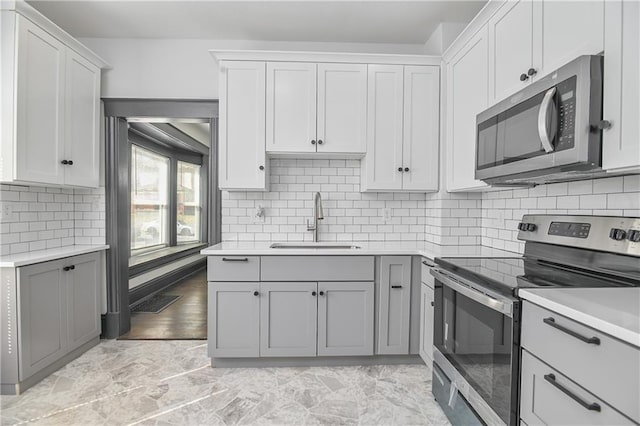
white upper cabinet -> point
(82, 121)
(291, 107)
(402, 135)
(621, 142)
(510, 48)
(564, 30)
(51, 104)
(316, 108)
(382, 168)
(342, 108)
(421, 130)
(466, 96)
(242, 157)
(39, 105)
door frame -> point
(117, 320)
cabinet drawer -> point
(550, 398)
(233, 268)
(317, 268)
(425, 275)
(604, 367)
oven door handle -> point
(497, 305)
(547, 108)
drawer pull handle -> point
(235, 259)
(69, 268)
(256, 293)
(429, 264)
(396, 286)
(551, 378)
(552, 322)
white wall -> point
(184, 69)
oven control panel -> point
(569, 229)
(613, 234)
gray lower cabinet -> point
(551, 398)
(426, 323)
(233, 328)
(288, 319)
(51, 310)
(394, 305)
(42, 318)
(83, 300)
(345, 318)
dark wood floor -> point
(186, 318)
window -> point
(149, 199)
(188, 203)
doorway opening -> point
(163, 207)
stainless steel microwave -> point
(550, 131)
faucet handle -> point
(310, 227)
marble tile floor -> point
(171, 383)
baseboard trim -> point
(156, 285)
(327, 361)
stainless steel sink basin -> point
(320, 246)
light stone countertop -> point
(31, 257)
(614, 310)
(372, 248)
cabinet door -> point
(384, 129)
(466, 96)
(510, 48)
(345, 318)
(242, 153)
(426, 323)
(342, 108)
(42, 318)
(288, 317)
(421, 129)
(83, 298)
(291, 107)
(82, 121)
(564, 30)
(233, 324)
(393, 312)
(620, 147)
(39, 105)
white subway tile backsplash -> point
(614, 196)
(349, 214)
(44, 218)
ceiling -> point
(397, 22)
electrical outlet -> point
(386, 214)
(258, 215)
(7, 211)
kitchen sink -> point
(320, 246)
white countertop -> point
(418, 248)
(29, 258)
(614, 311)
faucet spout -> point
(318, 214)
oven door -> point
(476, 344)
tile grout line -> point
(186, 404)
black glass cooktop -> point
(507, 275)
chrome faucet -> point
(317, 215)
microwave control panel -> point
(566, 114)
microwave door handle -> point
(546, 107)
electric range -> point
(477, 308)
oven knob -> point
(531, 227)
(617, 234)
(634, 235)
(522, 226)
